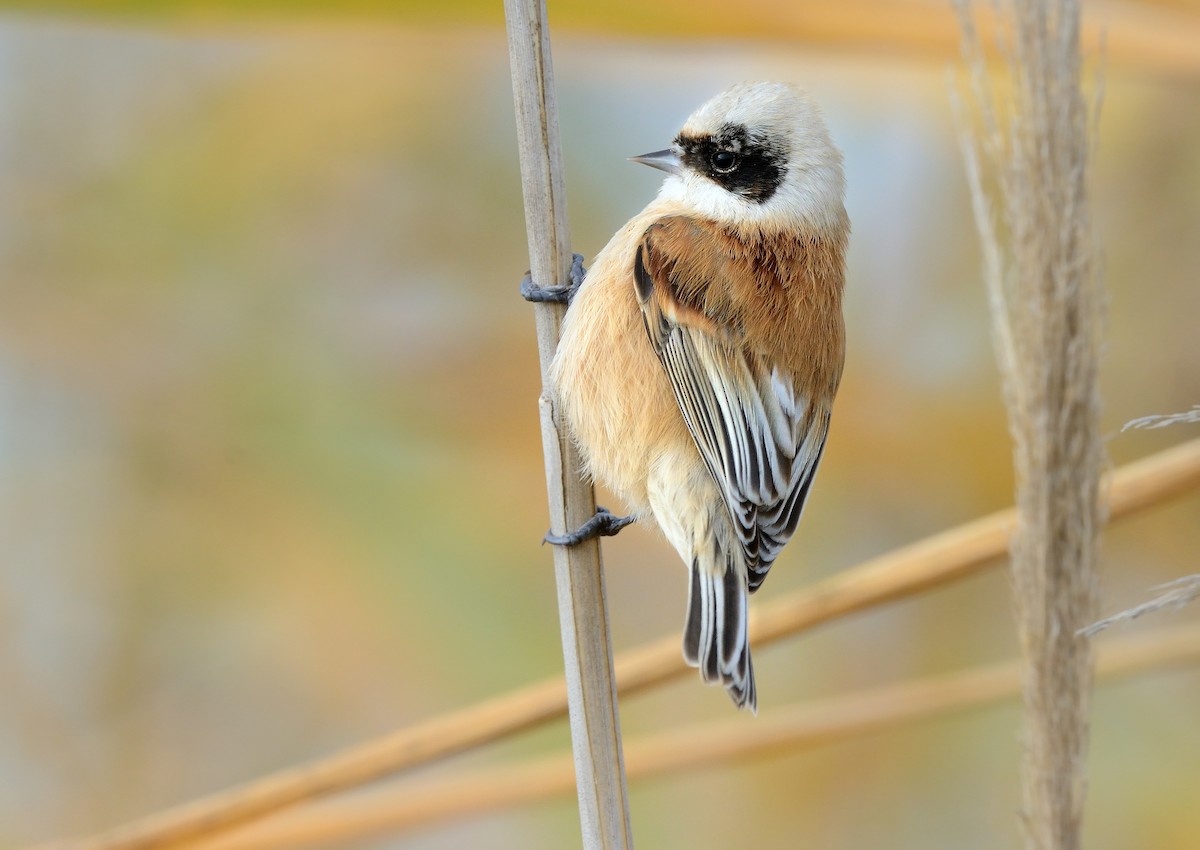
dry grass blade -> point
(410, 806)
(1175, 594)
(936, 560)
(1187, 417)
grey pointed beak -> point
(666, 160)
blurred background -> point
(270, 471)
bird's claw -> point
(530, 291)
(603, 523)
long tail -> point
(715, 637)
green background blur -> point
(270, 472)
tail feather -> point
(715, 635)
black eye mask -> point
(745, 164)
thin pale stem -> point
(579, 574)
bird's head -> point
(757, 154)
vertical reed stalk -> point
(587, 648)
(1047, 307)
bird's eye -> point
(724, 161)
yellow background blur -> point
(270, 473)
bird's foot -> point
(602, 524)
(530, 291)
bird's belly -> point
(613, 392)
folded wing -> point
(759, 437)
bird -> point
(701, 353)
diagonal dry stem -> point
(934, 561)
(410, 806)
